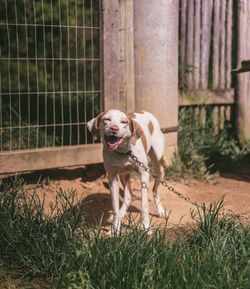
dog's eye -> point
(124, 121)
(106, 119)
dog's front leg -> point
(114, 189)
(144, 204)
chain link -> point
(169, 187)
(163, 182)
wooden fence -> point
(77, 58)
(206, 44)
(206, 50)
(120, 69)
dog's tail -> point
(164, 161)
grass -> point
(60, 250)
(203, 152)
(63, 249)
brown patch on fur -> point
(131, 115)
(150, 127)
(144, 142)
(98, 119)
(95, 128)
(135, 129)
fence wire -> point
(50, 80)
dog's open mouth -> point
(112, 141)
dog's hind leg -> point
(159, 171)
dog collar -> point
(123, 153)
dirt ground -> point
(91, 183)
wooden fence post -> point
(206, 9)
(156, 62)
(190, 44)
(216, 44)
(118, 55)
(183, 35)
(197, 40)
(243, 89)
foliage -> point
(61, 246)
(49, 71)
(203, 151)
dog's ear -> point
(93, 124)
(136, 130)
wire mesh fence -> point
(50, 72)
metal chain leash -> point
(169, 187)
(163, 182)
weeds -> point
(203, 152)
(62, 247)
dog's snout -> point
(114, 128)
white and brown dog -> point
(140, 134)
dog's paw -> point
(162, 214)
(111, 233)
(110, 216)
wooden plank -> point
(243, 95)
(118, 55)
(222, 44)
(228, 113)
(215, 119)
(183, 40)
(197, 43)
(129, 55)
(207, 97)
(190, 44)
(39, 159)
(222, 117)
(207, 7)
(122, 55)
(203, 117)
(111, 53)
(216, 43)
(229, 29)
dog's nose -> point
(114, 128)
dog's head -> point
(115, 128)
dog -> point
(121, 134)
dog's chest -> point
(119, 163)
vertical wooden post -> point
(183, 41)
(243, 90)
(190, 44)
(222, 44)
(197, 43)
(118, 55)
(126, 39)
(229, 28)
(156, 62)
(207, 7)
(216, 43)
(111, 55)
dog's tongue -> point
(113, 142)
